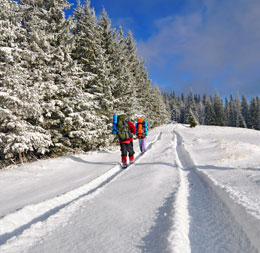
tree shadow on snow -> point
(156, 239)
(212, 167)
(156, 163)
(253, 169)
(80, 160)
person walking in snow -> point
(141, 133)
(125, 131)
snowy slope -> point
(194, 190)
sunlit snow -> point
(194, 190)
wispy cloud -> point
(126, 23)
(217, 43)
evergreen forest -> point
(62, 80)
(208, 110)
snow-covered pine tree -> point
(255, 113)
(19, 108)
(200, 108)
(159, 114)
(258, 113)
(119, 73)
(177, 108)
(245, 111)
(227, 110)
(182, 103)
(210, 117)
(141, 86)
(128, 91)
(54, 74)
(173, 106)
(166, 99)
(190, 105)
(219, 111)
(235, 116)
(91, 57)
(132, 91)
(240, 119)
(107, 37)
(143, 91)
(232, 112)
(191, 119)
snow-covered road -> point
(161, 203)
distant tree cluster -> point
(234, 112)
(61, 80)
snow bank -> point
(228, 160)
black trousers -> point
(127, 148)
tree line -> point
(234, 112)
(62, 79)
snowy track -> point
(212, 225)
(162, 203)
(29, 217)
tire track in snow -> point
(156, 240)
(211, 226)
(15, 224)
(179, 237)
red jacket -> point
(132, 129)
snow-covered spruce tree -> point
(106, 39)
(200, 108)
(219, 111)
(177, 109)
(232, 112)
(235, 116)
(143, 91)
(166, 99)
(258, 113)
(138, 98)
(245, 111)
(191, 119)
(151, 107)
(91, 57)
(240, 119)
(227, 110)
(120, 72)
(255, 113)
(159, 114)
(54, 74)
(19, 108)
(190, 105)
(148, 104)
(126, 90)
(182, 102)
(210, 116)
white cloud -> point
(222, 40)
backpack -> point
(123, 131)
(141, 128)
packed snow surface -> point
(194, 190)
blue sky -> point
(203, 45)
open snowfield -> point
(194, 190)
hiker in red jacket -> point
(125, 133)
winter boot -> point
(124, 161)
(131, 159)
